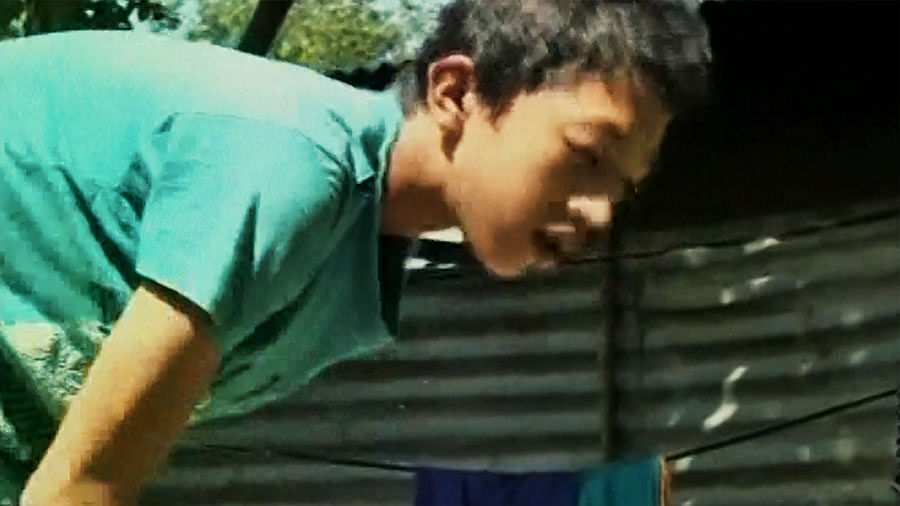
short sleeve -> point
(239, 214)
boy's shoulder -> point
(180, 76)
(133, 83)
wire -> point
(896, 484)
(306, 457)
(406, 468)
(440, 254)
(804, 230)
(778, 427)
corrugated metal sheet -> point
(506, 375)
(724, 340)
(492, 374)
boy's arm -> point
(137, 398)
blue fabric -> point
(251, 187)
(436, 487)
(635, 482)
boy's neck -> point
(415, 200)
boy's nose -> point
(587, 219)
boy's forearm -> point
(91, 460)
(76, 494)
(136, 400)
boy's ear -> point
(451, 89)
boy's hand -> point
(137, 398)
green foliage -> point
(222, 22)
(24, 17)
(12, 18)
(330, 34)
(323, 34)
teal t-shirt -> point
(251, 187)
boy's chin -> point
(508, 268)
(506, 261)
(505, 272)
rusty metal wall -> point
(723, 340)
(486, 374)
(715, 341)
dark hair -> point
(520, 45)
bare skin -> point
(140, 391)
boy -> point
(227, 225)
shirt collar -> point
(376, 139)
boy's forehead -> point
(597, 103)
(621, 102)
(591, 100)
(594, 95)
